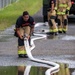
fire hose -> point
(55, 66)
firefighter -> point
(62, 8)
(51, 18)
(24, 27)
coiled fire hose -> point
(55, 66)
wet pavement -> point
(60, 48)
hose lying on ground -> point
(50, 71)
(27, 70)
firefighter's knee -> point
(50, 23)
(65, 22)
(59, 22)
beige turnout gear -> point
(62, 7)
(23, 31)
(51, 21)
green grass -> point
(9, 14)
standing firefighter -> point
(24, 27)
(62, 8)
(51, 18)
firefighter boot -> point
(22, 52)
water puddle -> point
(34, 70)
(52, 37)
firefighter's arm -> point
(32, 27)
(18, 24)
(56, 5)
(32, 30)
(48, 15)
(68, 7)
(52, 4)
(69, 4)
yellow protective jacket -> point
(62, 6)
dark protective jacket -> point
(21, 23)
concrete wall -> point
(4, 3)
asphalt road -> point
(59, 48)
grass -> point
(9, 14)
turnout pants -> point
(21, 47)
(51, 21)
(62, 23)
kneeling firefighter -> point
(24, 28)
(52, 17)
(62, 8)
